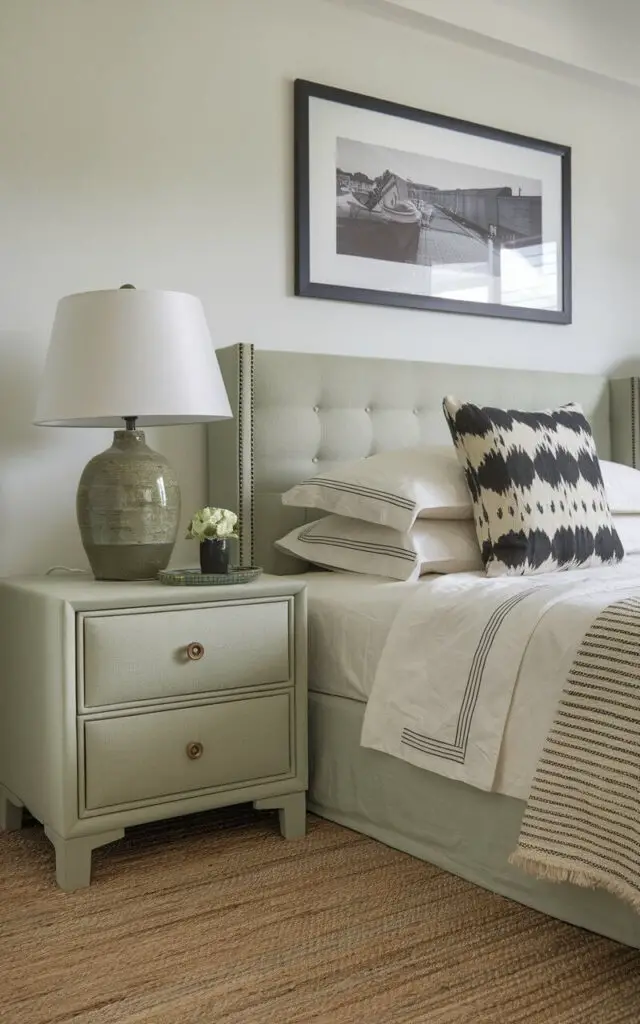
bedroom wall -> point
(588, 36)
(150, 141)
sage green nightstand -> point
(122, 703)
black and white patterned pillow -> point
(537, 490)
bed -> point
(295, 414)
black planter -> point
(214, 555)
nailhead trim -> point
(246, 444)
(634, 412)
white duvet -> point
(472, 669)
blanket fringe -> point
(561, 869)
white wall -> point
(590, 35)
(150, 141)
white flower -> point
(209, 522)
(199, 528)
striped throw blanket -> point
(582, 819)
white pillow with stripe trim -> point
(628, 530)
(391, 488)
(350, 545)
(622, 486)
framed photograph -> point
(402, 207)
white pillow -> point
(391, 489)
(622, 485)
(628, 528)
(350, 545)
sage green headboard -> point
(297, 413)
(624, 399)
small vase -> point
(214, 555)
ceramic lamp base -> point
(128, 507)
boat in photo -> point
(381, 224)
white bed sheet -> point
(350, 618)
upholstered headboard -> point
(296, 414)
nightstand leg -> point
(10, 812)
(292, 813)
(73, 856)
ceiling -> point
(590, 37)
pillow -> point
(391, 488)
(339, 542)
(628, 529)
(537, 489)
(622, 487)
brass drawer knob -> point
(195, 651)
(194, 751)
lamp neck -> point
(129, 440)
(130, 422)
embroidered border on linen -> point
(386, 497)
(457, 751)
(306, 537)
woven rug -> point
(217, 919)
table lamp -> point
(129, 358)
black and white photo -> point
(401, 207)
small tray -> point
(195, 578)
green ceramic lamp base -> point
(128, 561)
(128, 507)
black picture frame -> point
(305, 92)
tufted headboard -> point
(297, 413)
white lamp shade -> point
(127, 352)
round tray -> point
(195, 578)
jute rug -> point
(216, 919)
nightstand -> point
(122, 703)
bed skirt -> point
(460, 829)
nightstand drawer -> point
(164, 654)
(158, 754)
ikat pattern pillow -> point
(537, 490)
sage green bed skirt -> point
(452, 825)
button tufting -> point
(315, 458)
(316, 408)
(367, 408)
